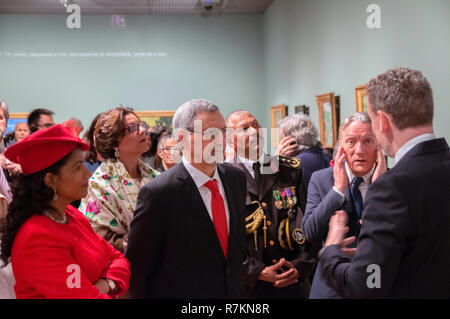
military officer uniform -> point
(275, 202)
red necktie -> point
(219, 215)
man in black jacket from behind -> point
(403, 250)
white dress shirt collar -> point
(198, 176)
(249, 163)
(366, 177)
(200, 179)
(411, 143)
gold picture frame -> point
(19, 115)
(361, 95)
(328, 119)
(277, 113)
(155, 118)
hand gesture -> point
(381, 165)
(287, 147)
(282, 274)
(339, 172)
(336, 233)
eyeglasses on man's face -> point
(168, 149)
(134, 127)
(210, 133)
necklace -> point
(64, 221)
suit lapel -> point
(195, 204)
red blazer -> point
(45, 256)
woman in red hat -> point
(54, 251)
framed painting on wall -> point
(361, 98)
(328, 119)
(15, 118)
(302, 109)
(277, 113)
(155, 118)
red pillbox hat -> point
(43, 148)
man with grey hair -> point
(187, 239)
(299, 138)
(403, 249)
(344, 187)
(169, 152)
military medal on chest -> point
(278, 202)
(289, 200)
(294, 197)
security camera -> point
(209, 4)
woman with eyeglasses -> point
(120, 140)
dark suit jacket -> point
(405, 231)
(301, 257)
(322, 203)
(173, 248)
(312, 159)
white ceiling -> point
(157, 7)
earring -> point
(55, 195)
(116, 153)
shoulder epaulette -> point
(289, 161)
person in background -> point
(53, 250)
(74, 125)
(358, 163)
(21, 130)
(6, 275)
(403, 250)
(299, 138)
(113, 189)
(328, 151)
(93, 159)
(4, 186)
(335, 150)
(4, 116)
(40, 119)
(168, 151)
(279, 260)
(9, 169)
(150, 157)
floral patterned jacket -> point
(111, 200)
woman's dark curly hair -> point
(92, 153)
(109, 130)
(30, 197)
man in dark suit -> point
(343, 186)
(187, 239)
(279, 259)
(403, 250)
